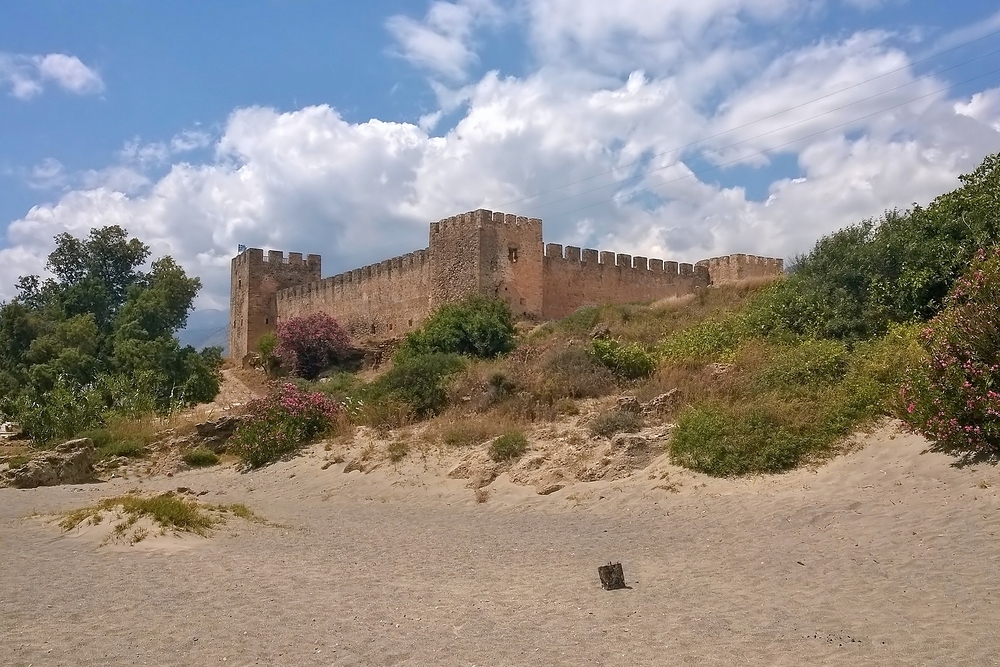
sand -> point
(886, 556)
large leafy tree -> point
(101, 327)
(858, 281)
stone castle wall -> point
(480, 252)
(383, 300)
(575, 278)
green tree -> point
(74, 337)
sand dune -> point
(886, 556)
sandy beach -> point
(885, 556)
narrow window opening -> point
(410, 323)
(267, 320)
(512, 255)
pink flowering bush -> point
(954, 397)
(307, 345)
(282, 421)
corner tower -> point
(254, 281)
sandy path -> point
(884, 557)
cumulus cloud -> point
(605, 159)
(27, 75)
(441, 42)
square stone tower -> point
(488, 254)
(255, 280)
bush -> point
(810, 363)
(508, 447)
(858, 281)
(420, 381)
(573, 373)
(611, 423)
(952, 397)
(398, 451)
(708, 341)
(281, 422)
(723, 442)
(309, 344)
(200, 457)
(267, 348)
(476, 327)
(628, 361)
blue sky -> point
(344, 128)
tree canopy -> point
(100, 332)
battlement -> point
(589, 257)
(739, 267)
(483, 217)
(274, 257)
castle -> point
(477, 253)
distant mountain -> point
(206, 328)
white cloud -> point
(27, 75)
(307, 180)
(49, 173)
(441, 42)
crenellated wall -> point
(480, 252)
(739, 267)
(382, 300)
(575, 278)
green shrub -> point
(627, 360)
(723, 442)
(281, 422)
(200, 457)
(508, 447)
(613, 422)
(267, 347)
(420, 381)
(858, 281)
(708, 341)
(811, 362)
(953, 397)
(476, 327)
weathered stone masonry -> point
(481, 252)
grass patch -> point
(111, 444)
(200, 457)
(168, 511)
(508, 447)
(613, 422)
(471, 432)
(18, 461)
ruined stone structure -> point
(476, 253)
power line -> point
(764, 134)
(772, 148)
(773, 115)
